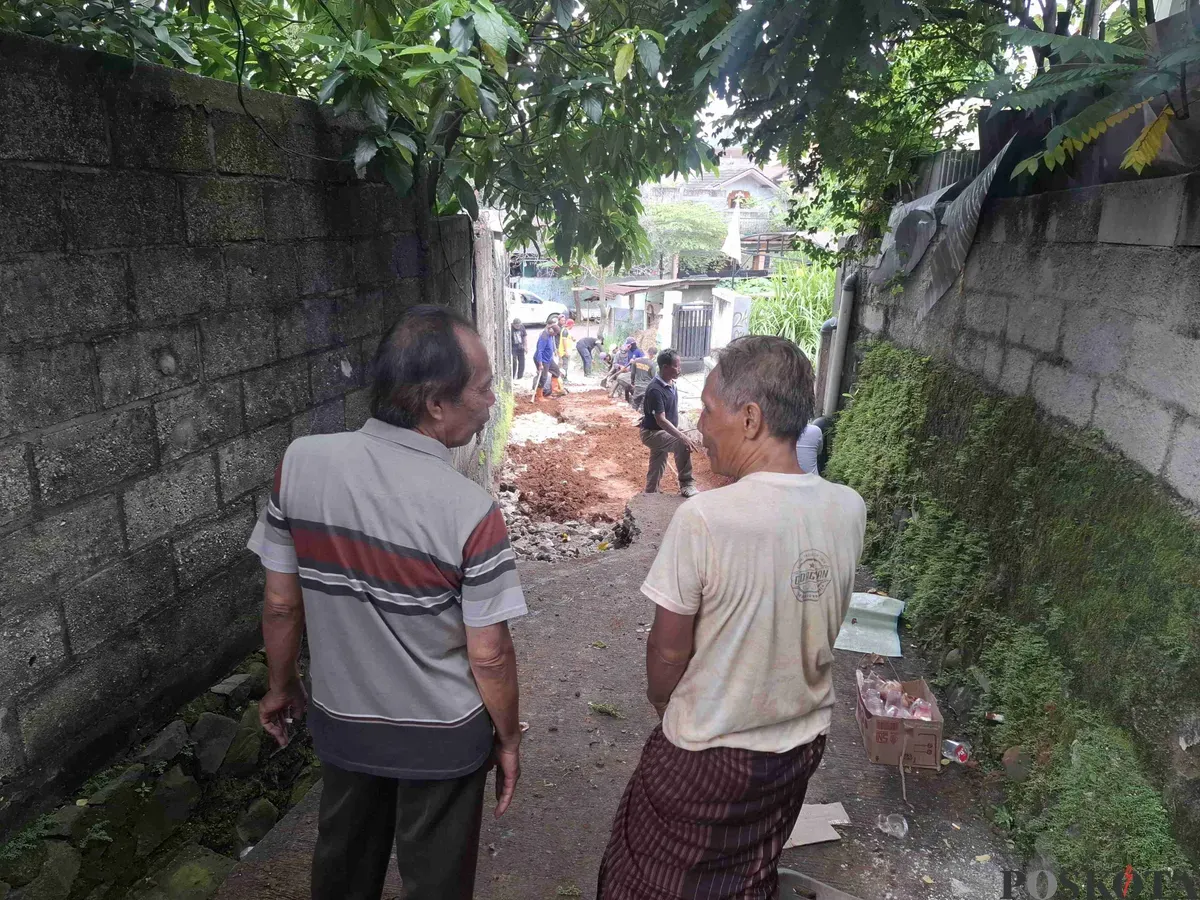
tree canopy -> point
(681, 227)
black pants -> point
(435, 825)
(518, 362)
(586, 356)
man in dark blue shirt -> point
(546, 359)
(660, 427)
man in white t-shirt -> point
(751, 583)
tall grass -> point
(793, 303)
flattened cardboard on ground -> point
(885, 737)
(815, 824)
(871, 625)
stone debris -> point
(166, 746)
(256, 821)
(236, 687)
(548, 541)
(212, 734)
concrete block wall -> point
(1089, 302)
(179, 299)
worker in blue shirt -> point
(546, 359)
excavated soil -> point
(590, 476)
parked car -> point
(530, 308)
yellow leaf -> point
(600, 645)
(983, 857)
(624, 61)
(927, 879)
(496, 58)
(604, 545)
(1145, 149)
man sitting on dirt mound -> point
(752, 582)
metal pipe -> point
(840, 337)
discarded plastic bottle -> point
(895, 825)
(956, 751)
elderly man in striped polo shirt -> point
(401, 571)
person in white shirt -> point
(751, 584)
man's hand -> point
(282, 706)
(507, 760)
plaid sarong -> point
(705, 825)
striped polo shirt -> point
(396, 552)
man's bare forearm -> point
(665, 424)
(496, 678)
(663, 674)
(283, 629)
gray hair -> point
(773, 373)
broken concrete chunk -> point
(258, 679)
(242, 756)
(67, 822)
(58, 873)
(166, 746)
(196, 873)
(236, 688)
(212, 735)
(255, 822)
(250, 717)
(175, 798)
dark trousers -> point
(518, 362)
(435, 825)
(586, 356)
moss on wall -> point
(1068, 579)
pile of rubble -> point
(549, 541)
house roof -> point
(645, 285)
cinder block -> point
(387, 257)
(32, 638)
(992, 365)
(1137, 425)
(328, 418)
(296, 211)
(1035, 321)
(237, 341)
(355, 209)
(210, 617)
(1164, 364)
(318, 150)
(1183, 464)
(358, 409)
(1146, 211)
(307, 325)
(452, 236)
(397, 296)
(58, 550)
(146, 363)
(96, 690)
(122, 208)
(1065, 393)
(358, 315)
(42, 297)
(335, 373)
(1189, 221)
(250, 461)
(40, 387)
(177, 282)
(69, 125)
(1073, 217)
(223, 209)
(215, 546)
(172, 497)
(242, 149)
(1178, 300)
(32, 219)
(323, 267)
(150, 134)
(16, 486)
(90, 456)
(1095, 339)
(260, 273)
(276, 392)
(985, 313)
(202, 417)
(394, 213)
(105, 604)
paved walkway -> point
(576, 763)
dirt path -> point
(590, 473)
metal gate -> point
(691, 335)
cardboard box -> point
(885, 737)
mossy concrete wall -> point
(182, 293)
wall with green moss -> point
(1067, 579)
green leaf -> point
(376, 107)
(562, 13)
(416, 73)
(470, 71)
(373, 55)
(1187, 53)
(466, 198)
(360, 40)
(623, 62)
(593, 108)
(403, 140)
(467, 92)
(399, 175)
(419, 50)
(492, 30)
(322, 40)
(364, 152)
(331, 85)
(1068, 47)
(489, 105)
(462, 35)
(650, 55)
(497, 60)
